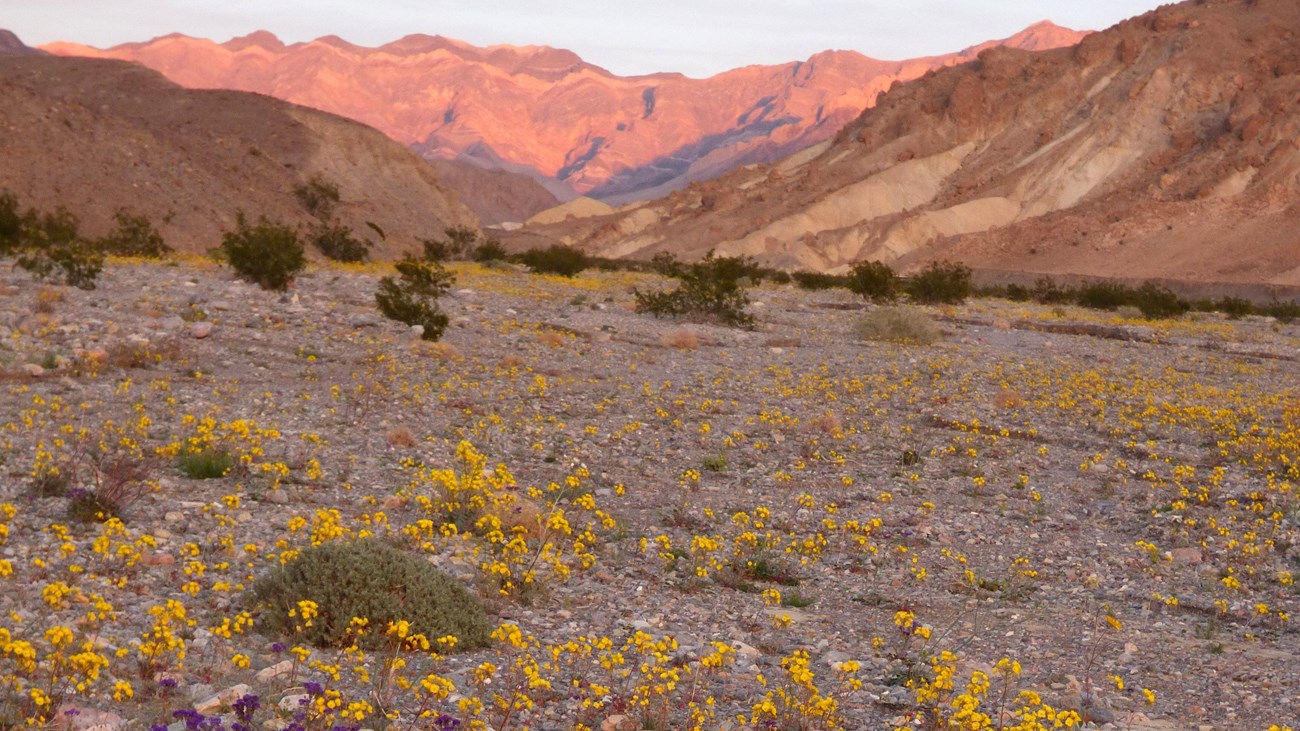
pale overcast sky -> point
(696, 37)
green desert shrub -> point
(318, 196)
(490, 250)
(1103, 295)
(666, 263)
(11, 223)
(134, 236)
(1046, 291)
(1283, 311)
(941, 282)
(51, 248)
(373, 580)
(206, 464)
(337, 242)
(555, 259)
(814, 281)
(459, 244)
(897, 324)
(1157, 302)
(873, 280)
(412, 296)
(711, 290)
(268, 254)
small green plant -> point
(461, 243)
(715, 463)
(134, 236)
(207, 464)
(369, 579)
(11, 224)
(1157, 302)
(940, 282)
(710, 291)
(490, 250)
(1234, 307)
(53, 483)
(336, 242)
(897, 324)
(796, 599)
(318, 196)
(267, 253)
(412, 297)
(817, 281)
(556, 259)
(667, 264)
(1103, 295)
(50, 242)
(873, 280)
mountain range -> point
(97, 135)
(1167, 146)
(571, 126)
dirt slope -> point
(573, 126)
(1167, 146)
(98, 135)
(495, 196)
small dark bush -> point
(134, 236)
(490, 250)
(50, 241)
(873, 280)
(1104, 295)
(814, 281)
(710, 291)
(777, 276)
(555, 259)
(1017, 293)
(337, 242)
(267, 254)
(11, 224)
(208, 464)
(318, 196)
(412, 297)
(1234, 307)
(1046, 291)
(667, 264)
(460, 244)
(373, 580)
(897, 323)
(1158, 302)
(1282, 311)
(940, 282)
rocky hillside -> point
(574, 126)
(1167, 146)
(495, 196)
(99, 135)
(12, 45)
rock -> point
(281, 669)
(277, 497)
(200, 330)
(747, 651)
(158, 558)
(70, 717)
(294, 701)
(224, 699)
(618, 723)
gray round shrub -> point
(374, 580)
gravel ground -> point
(1111, 504)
